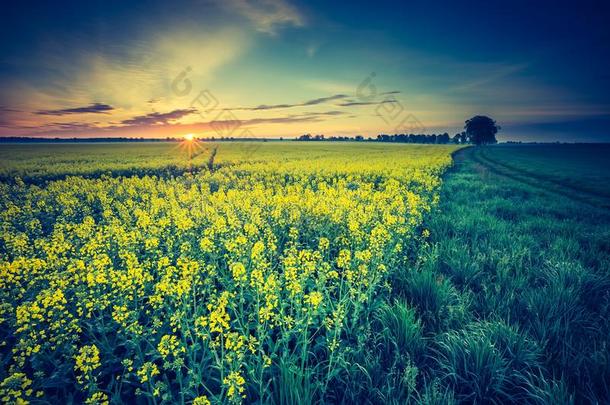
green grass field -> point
(287, 273)
(577, 171)
(528, 266)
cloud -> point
(314, 101)
(56, 127)
(4, 109)
(231, 126)
(325, 99)
(6, 113)
(268, 107)
(128, 74)
(147, 69)
(356, 103)
(359, 103)
(289, 119)
(267, 15)
(279, 120)
(165, 124)
(158, 118)
(96, 108)
(327, 113)
(71, 126)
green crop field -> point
(578, 171)
(528, 263)
(304, 272)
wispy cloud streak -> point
(158, 118)
(96, 108)
(314, 101)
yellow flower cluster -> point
(169, 346)
(87, 361)
(314, 299)
(235, 385)
(97, 398)
(204, 282)
(15, 389)
(147, 372)
(201, 400)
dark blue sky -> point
(540, 68)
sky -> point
(283, 68)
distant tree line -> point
(479, 130)
(444, 138)
(413, 138)
(309, 137)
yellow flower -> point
(120, 314)
(170, 346)
(344, 259)
(235, 385)
(314, 299)
(239, 272)
(87, 361)
(202, 257)
(234, 341)
(14, 388)
(98, 398)
(257, 250)
(218, 320)
(147, 371)
(201, 400)
(128, 364)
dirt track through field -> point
(536, 181)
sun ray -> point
(191, 147)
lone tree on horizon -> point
(481, 130)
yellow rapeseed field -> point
(252, 281)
